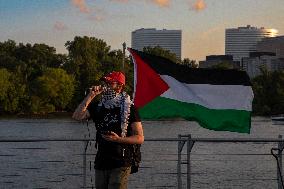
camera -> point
(103, 87)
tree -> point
(189, 63)
(5, 83)
(223, 65)
(159, 51)
(86, 55)
(34, 59)
(7, 58)
(91, 58)
(55, 88)
(26, 62)
(12, 92)
(269, 92)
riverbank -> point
(67, 115)
(53, 115)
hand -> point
(112, 137)
(95, 90)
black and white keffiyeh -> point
(110, 99)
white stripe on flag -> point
(236, 97)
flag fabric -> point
(217, 99)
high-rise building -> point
(215, 60)
(167, 39)
(272, 44)
(240, 41)
(253, 64)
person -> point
(118, 127)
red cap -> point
(115, 76)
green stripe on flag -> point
(220, 120)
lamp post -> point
(123, 58)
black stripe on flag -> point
(188, 75)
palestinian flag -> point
(217, 99)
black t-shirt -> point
(110, 154)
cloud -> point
(59, 26)
(98, 15)
(96, 18)
(120, 1)
(81, 5)
(198, 5)
(161, 3)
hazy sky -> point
(202, 22)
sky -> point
(203, 22)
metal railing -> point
(85, 141)
(181, 140)
(191, 141)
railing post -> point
(85, 165)
(190, 144)
(180, 146)
(280, 147)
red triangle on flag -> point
(149, 84)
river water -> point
(43, 165)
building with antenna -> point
(239, 42)
(272, 44)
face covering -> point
(111, 99)
(108, 93)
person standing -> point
(118, 127)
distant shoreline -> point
(63, 115)
(53, 115)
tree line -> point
(36, 79)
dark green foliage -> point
(12, 93)
(159, 51)
(223, 65)
(55, 88)
(269, 93)
(34, 79)
(189, 63)
(23, 65)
